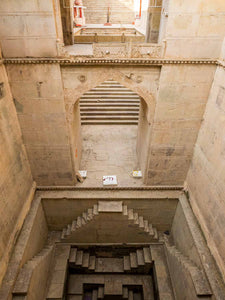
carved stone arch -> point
(127, 80)
(87, 79)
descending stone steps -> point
(134, 260)
(80, 221)
(199, 280)
(91, 213)
(109, 103)
(26, 279)
(137, 259)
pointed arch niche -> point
(82, 82)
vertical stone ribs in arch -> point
(131, 218)
(109, 103)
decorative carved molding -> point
(221, 63)
(74, 188)
(108, 62)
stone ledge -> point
(74, 188)
(92, 62)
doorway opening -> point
(114, 129)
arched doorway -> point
(115, 128)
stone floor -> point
(109, 150)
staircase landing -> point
(109, 150)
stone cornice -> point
(142, 188)
(108, 62)
(221, 63)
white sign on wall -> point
(110, 180)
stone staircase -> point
(91, 213)
(131, 262)
(109, 103)
(198, 277)
(82, 220)
(121, 11)
(137, 259)
(33, 273)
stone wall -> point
(206, 176)
(39, 99)
(153, 21)
(182, 96)
(195, 28)
(27, 28)
(121, 11)
(15, 180)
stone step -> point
(79, 222)
(95, 295)
(141, 222)
(125, 292)
(108, 113)
(84, 215)
(130, 295)
(24, 280)
(109, 89)
(111, 86)
(110, 96)
(90, 214)
(85, 262)
(73, 255)
(136, 218)
(109, 104)
(147, 255)
(151, 230)
(100, 292)
(74, 225)
(110, 92)
(126, 263)
(146, 226)
(110, 81)
(92, 263)
(155, 234)
(130, 214)
(133, 260)
(109, 118)
(79, 258)
(63, 235)
(140, 257)
(114, 108)
(68, 230)
(83, 220)
(200, 282)
(125, 210)
(110, 122)
(106, 118)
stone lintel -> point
(110, 206)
